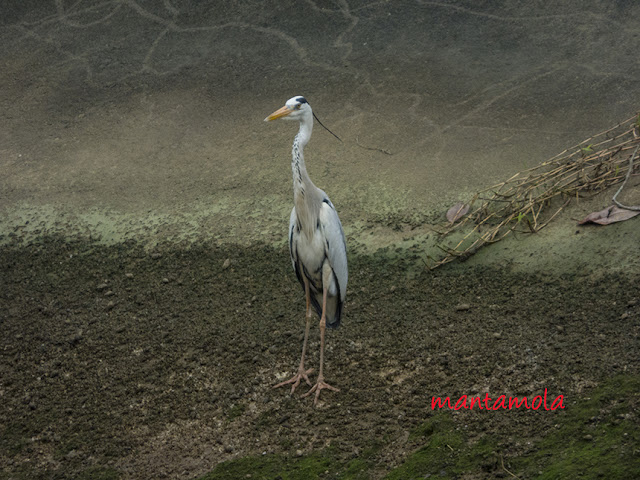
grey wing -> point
(336, 245)
(292, 251)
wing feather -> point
(336, 245)
(292, 226)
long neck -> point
(305, 193)
(301, 179)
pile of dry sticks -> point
(530, 199)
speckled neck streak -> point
(304, 191)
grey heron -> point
(316, 243)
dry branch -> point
(530, 199)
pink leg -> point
(302, 373)
(320, 383)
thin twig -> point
(634, 208)
(505, 468)
(386, 152)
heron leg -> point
(302, 373)
(320, 383)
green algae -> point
(595, 437)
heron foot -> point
(295, 380)
(318, 387)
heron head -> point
(296, 108)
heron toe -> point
(295, 380)
(318, 387)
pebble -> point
(102, 286)
(165, 280)
(74, 340)
(129, 275)
(298, 453)
(226, 264)
(624, 316)
(156, 256)
(228, 449)
(71, 454)
(284, 419)
(463, 307)
(588, 438)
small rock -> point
(632, 303)
(71, 454)
(108, 293)
(102, 286)
(298, 453)
(228, 449)
(129, 275)
(156, 256)
(110, 305)
(284, 418)
(624, 316)
(226, 264)
(497, 335)
(463, 307)
(392, 289)
(560, 328)
(165, 280)
(588, 438)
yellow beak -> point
(283, 112)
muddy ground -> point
(135, 162)
(119, 362)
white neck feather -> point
(306, 195)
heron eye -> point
(298, 106)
